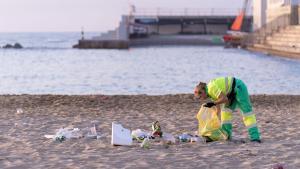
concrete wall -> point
(169, 29)
(216, 29)
(188, 29)
(152, 29)
(194, 29)
(264, 11)
(102, 44)
(123, 29)
(275, 11)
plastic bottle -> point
(146, 143)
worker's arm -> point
(221, 99)
(219, 111)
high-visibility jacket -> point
(219, 85)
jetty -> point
(148, 27)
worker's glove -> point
(209, 104)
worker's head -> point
(200, 92)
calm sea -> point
(49, 65)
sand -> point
(23, 145)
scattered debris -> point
(168, 138)
(146, 143)
(185, 137)
(195, 139)
(65, 133)
(120, 135)
(278, 166)
(140, 135)
(93, 134)
(20, 111)
(156, 129)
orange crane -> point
(235, 35)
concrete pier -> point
(183, 27)
(102, 44)
(185, 40)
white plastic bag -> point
(120, 135)
(64, 133)
(169, 138)
(140, 135)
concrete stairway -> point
(284, 42)
(119, 33)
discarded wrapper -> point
(93, 134)
(156, 129)
(146, 143)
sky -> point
(91, 15)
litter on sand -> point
(120, 135)
(156, 129)
(140, 135)
(169, 138)
(66, 133)
(93, 134)
(146, 143)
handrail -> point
(187, 12)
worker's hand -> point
(209, 104)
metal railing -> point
(260, 35)
(188, 12)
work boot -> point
(206, 139)
(258, 141)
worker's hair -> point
(201, 85)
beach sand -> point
(23, 145)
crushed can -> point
(156, 129)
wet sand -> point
(23, 145)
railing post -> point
(185, 11)
(294, 14)
(212, 11)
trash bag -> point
(209, 124)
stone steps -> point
(286, 35)
(290, 31)
(269, 47)
(294, 27)
(286, 40)
(286, 48)
(284, 43)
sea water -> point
(49, 65)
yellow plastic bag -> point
(209, 124)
